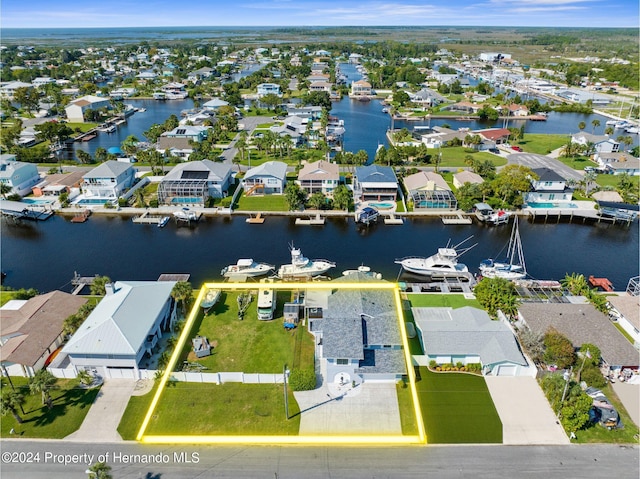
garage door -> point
(506, 370)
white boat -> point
(366, 270)
(211, 297)
(302, 267)
(163, 221)
(107, 128)
(246, 267)
(513, 267)
(141, 110)
(632, 129)
(185, 214)
(486, 214)
(443, 263)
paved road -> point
(250, 123)
(477, 462)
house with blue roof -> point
(375, 183)
(469, 336)
(124, 330)
(268, 178)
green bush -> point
(153, 203)
(122, 202)
(302, 379)
(225, 202)
(593, 377)
(433, 364)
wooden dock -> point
(81, 217)
(147, 219)
(393, 220)
(255, 220)
(81, 281)
(457, 219)
(317, 221)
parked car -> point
(516, 148)
(494, 150)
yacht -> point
(486, 214)
(513, 267)
(443, 263)
(302, 267)
(246, 267)
(365, 270)
(107, 128)
(163, 221)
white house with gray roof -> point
(108, 181)
(469, 336)
(192, 183)
(375, 183)
(124, 329)
(268, 178)
(357, 334)
(20, 176)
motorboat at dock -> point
(514, 266)
(303, 267)
(246, 267)
(486, 214)
(443, 264)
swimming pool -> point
(385, 205)
(92, 201)
(551, 205)
(433, 204)
(37, 201)
(186, 200)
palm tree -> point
(588, 178)
(182, 293)
(5, 189)
(609, 131)
(43, 382)
(10, 402)
(582, 125)
(576, 283)
(594, 124)
(100, 470)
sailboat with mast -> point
(514, 266)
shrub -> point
(459, 364)
(153, 203)
(593, 377)
(302, 379)
(432, 364)
(122, 202)
(225, 202)
(558, 350)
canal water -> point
(46, 255)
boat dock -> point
(457, 219)
(148, 219)
(603, 283)
(255, 220)
(393, 220)
(446, 285)
(317, 221)
(81, 281)
(17, 211)
(81, 217)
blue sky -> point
(126, 13)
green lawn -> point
(407, 412)
(226, 409)
(599, 434)
(251, 345)
(134, 415)
(578, 162)
(84, 127)
(454, 157)
(624, 333)
(457, 408)
(432, 300)
(613, 180)
(262, 203)
(540, 143)
(6, 296)
(70, 406)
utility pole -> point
(286, 395)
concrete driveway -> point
(524, 411)
(370, 408)
(101, 422)
(629, 395)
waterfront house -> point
(496, 136)
(58, 183)
(268, 89)
(426, 97)
(179, 141)
(309, 112)
(20, 176)
(320, 86)
(581, 324)
(618, 163)
(429, 190)
(360, 88)
(31, 330)
(8, 89)
(625, 310)
(108, 181)
(200, 74)
(599, 143)
(214, 104)
(603, 159)
(464, 107)
(358, 334)
(549, 186)
(375, 183)
(192, 183)
(268, 178)
(76, 109)
(123, 331)
(320, 176)
(469, 336)
(463, 177)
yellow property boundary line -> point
(271, 439)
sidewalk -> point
(102, 420)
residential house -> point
(437, 137)
(492, 57)
(268, 89)
(360, 88)
(604, 159)
(469, 336)
(581, 324)
(268, 178)
(495, 136)
(355, 58)
(293, 127)
(321, 86)
(58, 183)
(624, 164)
(178, 142)
(549, 186)
(464, 107)
(76, 109)
(8, 89)
(108, 181)
(463, 177)
(375, 183)
(358, 334)
(517, 110)
(599, 143)
(429, 190)
(31, 330)
(42, 81)
(200, 74)
(192, 183)
(124, 330)
(426, 97)
(626, 313)
(310, 112)
(20, 176)
(174, 91)
(214, 104)
(320, 176)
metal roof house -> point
(468, 335)
(31, 330)
(108, 181)
(358, 335)
(20, 176)
(375, 183)
(124, 329)
(192, 183)
(268, 178)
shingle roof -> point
(217, 171)
(467, 331)
(319, 170)
(121, 321)
(420, 180)
(468, 177)
(546, 174)
(582, 323)
(628, 306)
(108, 169)
(277, 169)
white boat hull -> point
(504, 271)
(419, 266)
(313, 269)
(251, 271)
